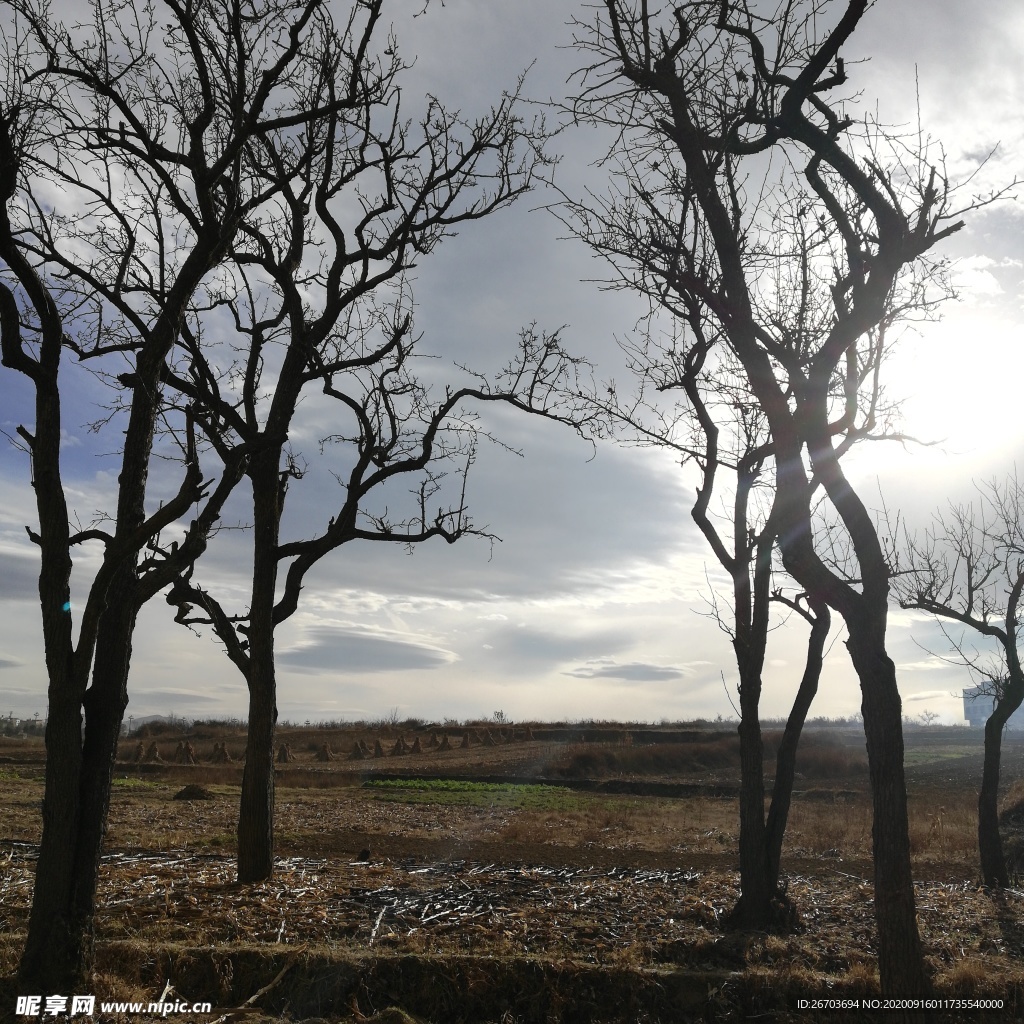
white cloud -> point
(356, 650)
(634, 671)
(599, 561)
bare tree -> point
(748, 559)
(317, 300)
(722, 431)
(151, 131)
(969, 569)
(701, 97)
(397, 429)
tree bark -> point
(900, 955)
(901, 966)
(256, 810)
(48, 962)
(785, 758)
(45, 955)
(990, 844)
(754, 909)
(750, 607)
(58, 947)
(105, 703)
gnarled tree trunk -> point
(900, 955)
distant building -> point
(978, 706)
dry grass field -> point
(569, 874)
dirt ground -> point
(514, 903)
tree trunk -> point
(785, 759)
(105, 703)
(900, 956)
(256, 811)
(990, 845)
(48, 960)
(59, 949)
(754, 909)
(44, 962)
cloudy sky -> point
(594, 603)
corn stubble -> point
(497, 888)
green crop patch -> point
(929, 755)
(129, 783)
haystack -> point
(444, 744)
(140, 752)
(378, 750)
(399, 748)
(465, 741)
(325, 753)
(284, 754)
(529, 734)
(220, 754)
(357, 753)
(488, 739)
(416, 748)
(433, 741)
(184, 753)
(153, 753)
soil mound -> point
(193, 792)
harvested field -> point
(511, 901)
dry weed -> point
(967, 976)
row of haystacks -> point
(361, 750)
(184, 753)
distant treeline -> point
(584, 730)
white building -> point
(978, 706)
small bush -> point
(215, 728)
(156, 729)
